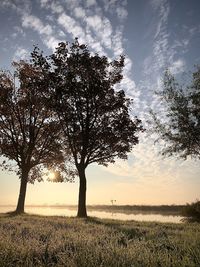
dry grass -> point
(30, 240)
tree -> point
(28, 135)
(181, 128)
(94, 117)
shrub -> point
(192, 211)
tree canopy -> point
(181, 128)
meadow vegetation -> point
(30, 240)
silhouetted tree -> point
(181, 128)
(28, 135)
(94, 117)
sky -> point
(153, 35)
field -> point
(31, 240)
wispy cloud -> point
(30, 21)
(18, 31)
(177, 66)
(90, 3)
(70, 25)
(165, 52)
(117, 7)
(102, 29)
(79, 12)
(21, 7)
(164, 55)
(88, 21)
(122, 13)
(46, 31)
(161, 54)
(20, 54)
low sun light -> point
(51, 175)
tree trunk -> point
(22, 192)
(82, 194)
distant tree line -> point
(155, 209)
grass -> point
(31, 240)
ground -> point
(30, 240)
